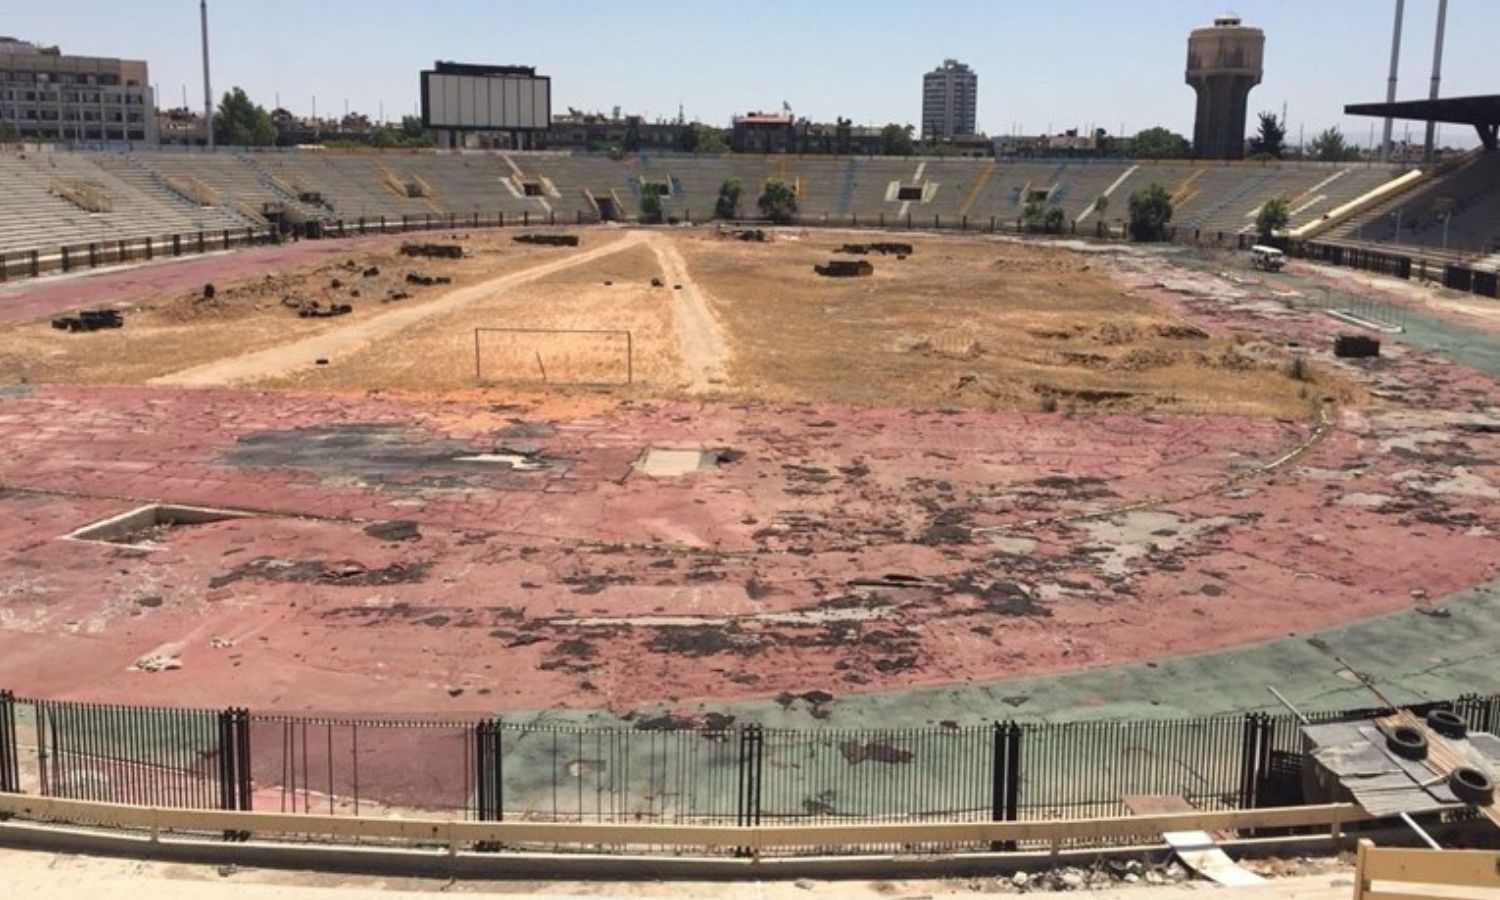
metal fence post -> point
(751, 769)
(1005, 777)
(488, 788)
(1251, 730)
(10, 751)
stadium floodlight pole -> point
(1390, 85)
(1428, 149)
(208, 91)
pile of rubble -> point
(844, 268)
(433, 251)
(897, 249)
(89, 320)
(548, 240)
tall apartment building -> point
(46, 96)
(949, 101)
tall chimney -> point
(1390, 85)
(1437, 77)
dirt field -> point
(961, 323)
(974, 324)
(183, 329)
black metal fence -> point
(495, 770)
(1474, 281)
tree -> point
(711, 141)
(1150, 212)
(1271, 140)
(240, 123)
(1054, 221)
(1101, 206)
(1033, 213)
(1159, 143)
(778, 202)
(728, 204)
(1273, 218)
(413, 133)
(895, 140)
(653, 212)
(1330, 146)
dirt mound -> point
(942, 348)
(1113, 333)
(1181, 332)
(1144, 359)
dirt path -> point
(701, 337)
(277, 361)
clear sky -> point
(1042, 63)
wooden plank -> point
(52, 809)
(1454, 868)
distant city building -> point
(949, 101)
(1223, 64)
(47, 96)
(1067, 143)
(599, 132)
(761, 132)
(181, 125)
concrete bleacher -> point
(32, 217)
(235, 185)
(1457, 211)
(1211, 198)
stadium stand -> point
(1464, 202)
(161, 193)
(36, 214)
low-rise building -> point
(48, 96)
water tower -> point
(1223, 64)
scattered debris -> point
(1355, 346)
(90, 320)
(157, 662)
(548, 240)
(395, 530)
(435, 251)
(896, 248)
(427, 280)
(843, 268)
(314, 310)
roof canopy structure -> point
(1483, 112)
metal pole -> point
(208, 91)
(1437, 77)
(1390, 85)
(1426, 838)
(1446, 219)
(1288, 704)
